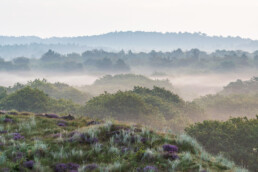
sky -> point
(47, 18)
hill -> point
(157, 107)
(249, 87)
(123, 82)
(48, 142)
(237, 99)
(55, 90)
(34, 100)
(137, 41)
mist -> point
(188, 86)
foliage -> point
(34, 100)
(17, 64)
(3, 93)
(123, 82)
(26, 99)
(121, 105)
(158, 107)
(236, 99)
(55, 90)
(223, 106)
(235, 138)
(249, 87)
(45, 146)
(103, 62)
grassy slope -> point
(112, 146)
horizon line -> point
(105, 33)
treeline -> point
(103, 61)
(138, 41)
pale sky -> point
(48, 18)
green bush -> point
(236, 138)
(26, 99)
(55, 90)
(34, 100)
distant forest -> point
(32, 46)
(100, 61)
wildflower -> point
(61, 124)
(8, 120)
(171, 155)
(144, 140)
(72, 166)
(18, 156)
(150, 169)
(170, 148)
(17, 136)
(60, 167)
(91, 167)
(124, 149)
(3, 132)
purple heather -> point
(170, 148)
(150, 169)
(91, 167)
(17, 136)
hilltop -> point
(48, 142)
(116, 41)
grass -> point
(111, 145)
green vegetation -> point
(55, 90)
(249, 87)
(104, 62)
(34, 100)
(222, 107)
(235, 138)
(123, 82)
(157, 106)
(39, 143)
(236, 99)
(3, 93)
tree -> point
(26, 99)
(3, 93)
(236, 138)
(120, 65)
(50, 56)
